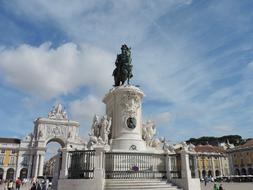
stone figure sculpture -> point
(29, 137)
(148, 134)
(100, 131)
(167, 147)
(105, 127)
(191, 147)
(188, 148)
(95, 128)
(58, 113)
(123, 70)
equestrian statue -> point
(123, 70)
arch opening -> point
(204, 173)
(56, 140)
(1, 173)
(244, 172)
(52, 155)
(10, 174)
(237, 172)
(250, 171)
(23, 173)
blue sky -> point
(193, 60)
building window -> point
(25, 160)
(1, 160)
(3, 151)
(13, 151)
(12, 160)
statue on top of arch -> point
(58, 112)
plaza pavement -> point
(209, 186)
(24, 187)
(229, 186)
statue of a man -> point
(123, 70)
(95, 128)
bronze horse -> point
(123, 70)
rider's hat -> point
(124, 46)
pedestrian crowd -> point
(11, 184)
(215, 186)
(16, 185)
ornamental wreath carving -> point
(130, 103)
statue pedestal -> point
(123, 105)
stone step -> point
(135, 182)
(143, 188)
(138, 185)
(157, 188)
(132, 184)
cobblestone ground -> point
(209, 186)
(229, 186)
(24, 187)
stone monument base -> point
(128, 145)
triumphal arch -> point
(56, 127)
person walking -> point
(18, 183)
(221, 188)
(5, 185)
(10, 185)
(205, 179)
(215, 187)
(33, 186)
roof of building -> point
(249, 143)
(10, 140)
(209, 148)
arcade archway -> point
(243, 171)
(250, 171)
(217, 173)
(23, 173)
(10, 173)
(237, 172)
(203, 173)
(1, 173)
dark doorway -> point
(10, 174)
(23, 173)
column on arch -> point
(36, 165)
(41, 164)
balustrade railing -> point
(129, 165)
(81, 164)
(175, 168)
(192, 164)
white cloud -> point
(168, 47)
(48, 72)
(224, 128)
(163, 118)
(84, 110)
(108, 23)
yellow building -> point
(50, 165)
(8, 157)
(212, 161)
(241, 159)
